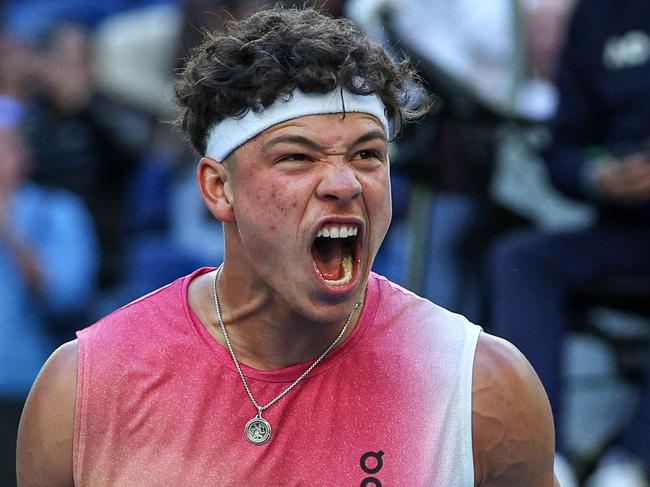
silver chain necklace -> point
(258, 429)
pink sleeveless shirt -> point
(160, 403)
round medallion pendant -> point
(257, 430)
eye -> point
(369, 154)
(293, 158)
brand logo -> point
(371, 463)
(629, 50)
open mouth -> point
(334, 251)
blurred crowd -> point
(522, 199)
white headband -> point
(230, 133)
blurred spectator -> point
(520, 181)
(134, 57)
(81, 140)
(166, 224)
(48, 263)
(599, 153)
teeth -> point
(341, 231)
(347, 272)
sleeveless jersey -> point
(160, 403)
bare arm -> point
(513, 436)
(44, 454)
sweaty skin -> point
(273, 195)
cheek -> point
(378, 189)
(383, 206)
(386, 215)
(265, 205)
(278, 200)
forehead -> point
(335, 130)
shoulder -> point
(143, 329)
(583, 9)
(45, 435)
(591, 20)
(397, 305)
(147, 311)
(513, 435)
(399, 300)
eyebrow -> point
(304, 141)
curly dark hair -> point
(255, 61)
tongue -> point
(328, 255)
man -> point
(48, 262)
(325, 374)
(82, 140)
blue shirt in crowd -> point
(59, 230)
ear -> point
(214, 182)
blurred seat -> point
(629, 294)
(616, 311)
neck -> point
(264, 331)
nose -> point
(339, 183)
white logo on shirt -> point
(629, 50)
